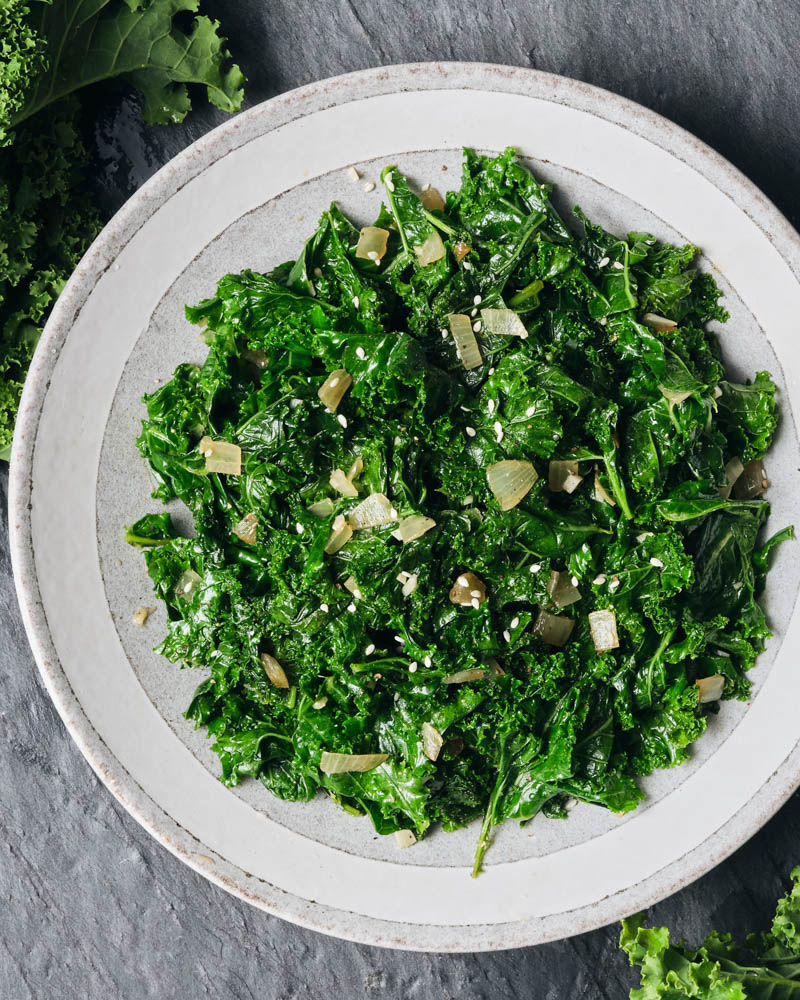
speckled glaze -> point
(224, 204)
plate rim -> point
(292, 105)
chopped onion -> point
(460, 250)
(334, 387)
(432, 741)
(494, 667)
(341, 763)
(733, 470)
(413, 527)
(372, 243)
(510, 481)
(356, 469)
(562, 590)
(659, 323)
(221, 456)
(187, 584)
(604, 630)
(600, 492)
(375, 510)
(351, 585)
(404, 838)
(504, 322)
(463, 676)
(468, 589)
(341, 533)
(246, 529)
(431, 250)
(322, 508)
(257, 358)
(710, 688)
(469, 354)
(140, 616)
(752, 482)
(431, 199)
(274, 671)
(564, 476)
(673, 396)
(553, 629)
(410, 584)
(342, 484)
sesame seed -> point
(352, 173)
(467, 502)
(473, 312)
(477, 300)
(490, 406)
(599, 580)
(370, 649)
(399, 638)
(428, 661)
(373, 255)
(188, 586)
(208, 452)
(462, 581)
(614, 583)
(514, 622)
(498, 429)
(491, 371)
(361, 353)
(603, 262)
(317, 272)
(300, 528)
(657, 563)
(351, 607)
(507, 635)
(467, 265)
(619, 266)
(474, 593)
(324, 608)
(603, 320)
(535, 567)
(475, 603)
(334, 382)
(393, 514)
(388, 182)
(342, 419)
(444, 334)
(530, 411)
(470, 431)
(477, 326)
(397, 696)
(356, 302)
(574, 581)
(412, 667)
(369, 186)
(320, 703)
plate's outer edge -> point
(256, 121)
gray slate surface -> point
(90, 906)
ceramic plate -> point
(246, 196)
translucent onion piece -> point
(341, 533)
(351, 585)
(561, 589)
(140, 616)
(404, 838)
(600, 492)
(553, 629)
(341, 763)
(469, 354)
(274, 671)
(257, 358)
(372, 512)
(432, 741)
(340, 482)
(410, 585)
(494, 667)
(372, 243)
(710, 688)
(604, 630)
(752, 482)
(460, 250)
(221, 456)
(563, 477)
(504, 322)
(659, 323)
(510, 481)
(733, 470)
(413, 527)
(467, 589)
(431, 250)
(673, 396)
(355, 469)
(187, 584)
(247, 528)
(334, 387)
(463, 676)
(322, 508)
(431, 199)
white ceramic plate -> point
(246, 196)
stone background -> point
(90, 906)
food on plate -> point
(477, 511)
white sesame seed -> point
(373, 255)
(477, 300)
(644, 534)
(467, 265)
(470, 431)
(428, 661)
(361, 353)
(412, 667)
(188, 586)
(530, 411)
(657, 563)
(356, 303)
(399, 638)
(514, 623)
(342, 419)
(444, 334)
(477, 326)
(351, 607)
(535, 567)
(369, 186)
(393, 514)
(388, 182)
(603, 262)
(320, 703)
(574, 581)
(352, 173)
(474, 593)
(462, 581)
(397, 696)
(603, 320)
(370, 649)
(618, 265)
(475, 603)
(324, 608)
(467, 502)
(498, 429)
(490, 406)
(599, 580)
(507, 635)
(614, 584)
(491, 371)
(300, 528)
(334, 382)
(208, 452)
(473, 312)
